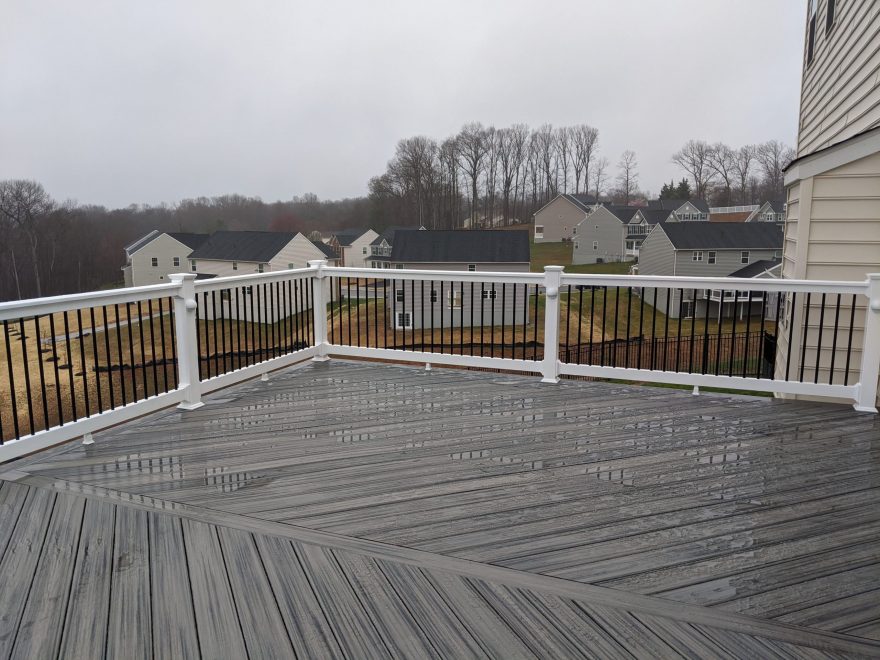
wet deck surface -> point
(360, 510)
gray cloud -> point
(120, 102)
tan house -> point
(228, 253)
(832, 222)
(602, 236)
(152, 258)
(353, 246)
(555, 221)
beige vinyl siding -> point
(606, 230)
(559, 218)
(840, 92)
(298, 252)
(726, 262)
(163, 248)
(832, 233)
(353, 255)
(657, 254)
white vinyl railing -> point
(76, 364)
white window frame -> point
(712, 257)
(433, 295)
(453, 299)
(697, 255)
(744, 257)
(234, 265)
(472, 268)
(261, 268)
(175, 261)
(490, 294)
(400, 266)
(192, 265)
(364, 251)
(574, 232)
(539, 231)
(154, 262)
(595, 245)
(403, 320)
(399, 295)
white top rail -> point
(444, 275)
(232, 281)
(16, 309)
(726, 283)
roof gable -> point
(461, 246)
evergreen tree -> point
(683, 191)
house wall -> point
(657, 254)
(164, 249)
(726, 262)
(514, 310)
(353, 255)
(559, 218)
(832, 232)
(607, 230)
(840, 89)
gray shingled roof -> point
(756, 268)
(348, 236)
(256, 246)
(328, 251)
(674, 204)
(723, 235)
(192, 241)
(583, 201)
(461, 246)
(653, 216)
(623, 213)
(388, 235)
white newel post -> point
(187, 346)
(870, 369)
(319, 309)
(550, 366)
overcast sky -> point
(114, 103)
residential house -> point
(228, 253)
(708, 249)
(741, 213)
(832, 222)
(353, 246)
(380, 248)
(555, 221)
(452, 305)
(601, 236)
(152, 258)
(773, 211)
(683, 210)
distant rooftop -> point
(723, 235)
(461, 246)
(254, 246)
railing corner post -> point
(187, 346)
(869, 374)
(319, 310)
(552, 283)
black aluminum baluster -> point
(55, 369)
(759, 349)
(376, 313)
(171, 322)
(442, 329)
(472, 318)
(629, 295)
(217, 371)
(430, 296)
(580, 323)
(604, 321)
(615, 345)
(535, 329)
(152, 346)
(852, 320)
(164, 347)
(129, 324)
(106, 352)
(95, 357)
(732, 333)
(503, 309)
(393, 313)
(41, 371)
(641, 325)
(348, 306)
(492, 301)
(790, 334)
(385, 306)
(804, 337)
(431, 285)
(568, 328)
(819, 340)
(834, 340)
(358, 310)
(748, 333)
(719, 337)
(706, 332)
(118, 352)
(11, 373)
(258, 319)
(70, 379)
(666, 330)
(653, 329)
(693, 324)
(678, 336)
(143, 353)
(82, 362)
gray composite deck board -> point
(746, 505)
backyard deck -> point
(369, 510)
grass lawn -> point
(559, 254)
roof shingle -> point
(723, 235)
(461, 246)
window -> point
(154, 262)
(453, 299)
(433, 295)
(234, 265)
(261, 268)
(225, 294)
(575, 245)
(711, 257)
(744, 257)
(595, 245)
(175, 261)
(364, 250)
(829, 17)
(248, 290)
(777, 254)
(539, 231)
(404, 320)
(399, 266)
(192, 265)
(697, 256)
(398, 295)
(811, 32)
(489, 294)
(472, 268)
(574, 231)
(597, 226)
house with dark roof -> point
(380, 249)
(153, 257)
(555, 221)
(683, 210)
(228, 253)
(710, 249)
(601, 236)
(353, 246)
(456, 303)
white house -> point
(241, 252)
(151, 258)
(353, 246)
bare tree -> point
(773, 157)
(546, 152)
(23, 204)
(586, 142)
(600, 176)
(565, 155)
(722, 161)
(511, 154)
(627, 176)
(744, 158)
(471, 150)
(694, 158)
